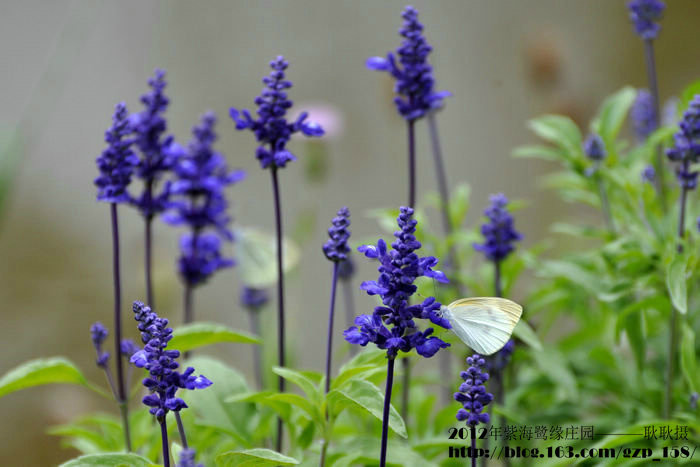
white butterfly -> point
(483, 323)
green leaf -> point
(559, 130)
(676, 283)
(305, 383)
(253, 458)
(525, 333)
(256, 256)
(538, 152)
(298, 401)
(612, 115)
(366, 396)
(39, 372)
(459, 204)
(109, 460)
(195, 335)
(688, 358)
(688, 94)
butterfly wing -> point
(484, 323)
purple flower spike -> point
(118, 161)
(398, 270)
(254, 299)
(271, 128)
(686, 145)
(336, 248)
(187, 459)
(199, 261)
(414, 76)
(98, 334)
(499, 233)
(163, 380)
(472, 393)
(643, 115)
(644, 15)
(649, 174)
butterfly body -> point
(483, 323)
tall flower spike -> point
(398, 270)
(164, 380)
(644, 15)
(686, 145)
(499, 233)
(117, 162)
(98, 334)
(187, 459)
(472, 393)
(157, 151)
(271, 128)
(414, 76)
(336, 247)
(643, 115)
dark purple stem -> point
(116, 273)
(181, 430)
(331, 314)
(257, 362)
(387, 405)
(349, 308)
(654, 89)
(280, 295)
(148, 261)
(164, 440)
(472, 435)
(411, 164)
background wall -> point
(65, 65)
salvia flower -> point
(336, 248)
(187, 459)
(390, 326)
(253, 298)
(644, 15)
(499, 233)
(163, 380)
(271, 128)
(117, 162)
(472, 393)
(686, 145)
(649, 174)
(157, 151)
(128, 348)
(594, 149)
(643, 115)
(201, 257)
(414, 75)
(98, 334)
(346, 268)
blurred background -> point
(66, 64)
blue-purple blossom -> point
(694, 400)
(164, 380)
(128, 348)
(686, 145)
(499, 232)
(472, 393)
(98, 334)
(414, 76)
(158, 154)
(253, 298)
(336, 247)
(117, 162)
(643, 115)
(200, 258)
(271, 128)
(346, 268)
(187, 459)
(644, 15)
(649, 174)
(398, 270)
(594, 148)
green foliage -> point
(195, 335)
(109, 460)
(39, 372)
(256, 257)
(254, 458)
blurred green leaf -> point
(525, 333)
(612, 115)
(676, 283)
(304, 382)
(254, 458)
(109, 460)
(256, 255)
(688, 357)
(367, 397)
(687, 95)
(195, 335)
(559, 130)
(538, 152)
(39, 372)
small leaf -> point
(195, 335)
(559, 130)
(538, 152)
(612, 115)
(109, 460)
(367, 397)
(296, 377)
(676, 283)
(39, 372)
(256, 254)
(253, 458)
(525, 333)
